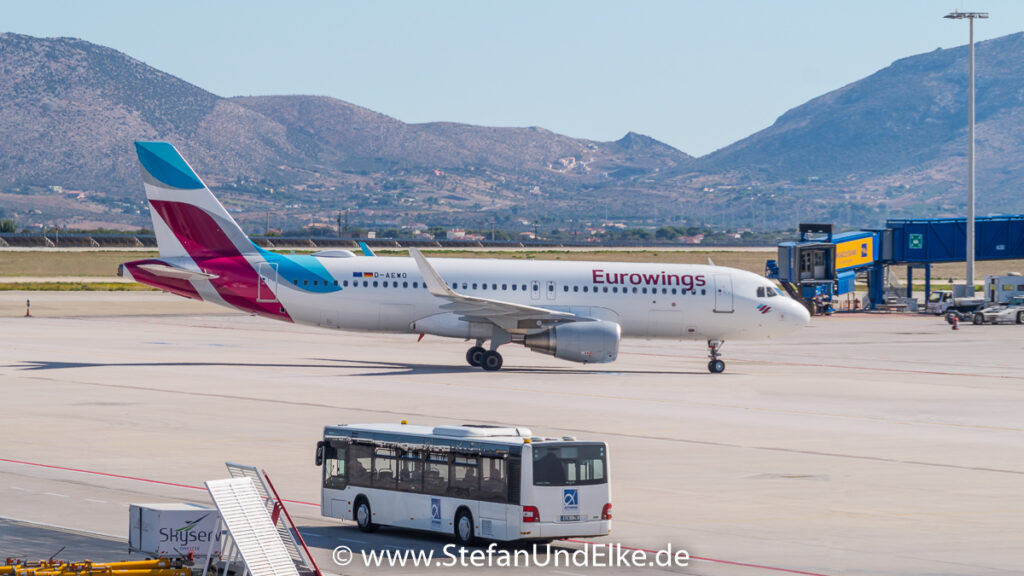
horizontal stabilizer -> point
(174, 272)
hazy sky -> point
(696, 75)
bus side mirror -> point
(320, 453)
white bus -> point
(472, 481)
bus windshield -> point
(569, 465)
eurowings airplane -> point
(576, 311)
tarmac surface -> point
(862, 444)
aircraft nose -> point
(798, 314)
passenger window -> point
(513, 287)
(536, 288)
(366, 283)
(494, 286)
(504, 286)
(374, 283)
(565, 288)
(415, 284)
(673, 291)
(305, 282)
(615, 289)
(405, 284)
(384, 466)
(524, 287)
(335, 282)
(296, 282)
(465, 481)
(644, 290)
(493, 482)
(474, 285)
(435, 475)
(575, 288)
(702, 291)
(345, 283)
(385, 283)
(634, 289)
(360, 460)
(410, 471)
(551, 287)
(586, 288)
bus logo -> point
(570, 499)
(435, 512)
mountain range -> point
(890, 145)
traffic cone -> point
(956, 322)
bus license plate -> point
(572, 518)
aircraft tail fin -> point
(188, 220)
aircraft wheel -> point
(475, 355)
(716, 366)
(978, 319)
(491, 361)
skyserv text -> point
(660, 279)
(539, 555)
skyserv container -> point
(174, 529)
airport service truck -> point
(999, 290)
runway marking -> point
(175, 484)
(95, 500)
(55, 494)
(19, 488)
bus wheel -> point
(364, 516)
(464, 528)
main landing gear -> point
(481, 357)
(715, 366)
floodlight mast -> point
(970, 16)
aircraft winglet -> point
(366, 249)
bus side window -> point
(435, 477)
(465, 481)
(334, 467)
(359, 461)
(410, 471)
(493, 478)
(384, 468)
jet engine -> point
(585, 342)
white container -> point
(174, 529)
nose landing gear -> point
(715, 366)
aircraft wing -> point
(508, 315)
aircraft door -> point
(551, 290)
(267, 289)
(723, 293)
(535, 290)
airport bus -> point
(472, 481)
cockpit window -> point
(766, 292)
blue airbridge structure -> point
(821, 265)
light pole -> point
(970, 16)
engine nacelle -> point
(584, 342)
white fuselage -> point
(672, 301)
